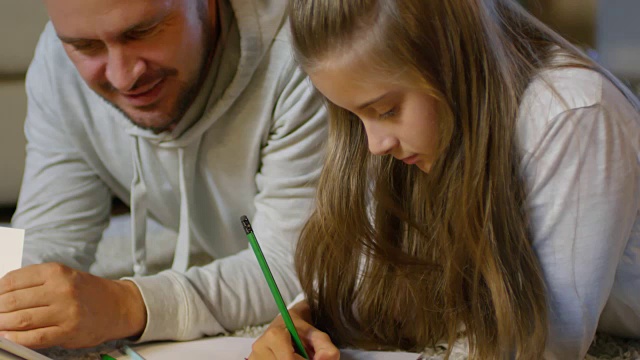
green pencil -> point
(273, 287)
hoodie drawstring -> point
(181, 255)
(139, 209)
(138, 202)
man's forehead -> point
(93, 19)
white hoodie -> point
(250, 144)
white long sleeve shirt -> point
(581, 151)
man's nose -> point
(123, 69)
(381, 140)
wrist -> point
(303, 310)
(132, 310)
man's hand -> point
(53, 305)
(276, 343)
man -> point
(193, 112)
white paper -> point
(235, 348)
(11, 243)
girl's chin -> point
(424, 166)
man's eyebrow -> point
(72, 40)
(372, 101)
(141, 25)
(146, 23)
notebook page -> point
(236, 348)
(11, 243)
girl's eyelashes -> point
(389, 114)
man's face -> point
(146, 57)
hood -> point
(247, 30)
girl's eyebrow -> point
(372, 101)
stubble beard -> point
(187, 95)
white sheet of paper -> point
(233, 348)
(11, 243)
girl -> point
(482, 181)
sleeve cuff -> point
(296, 300)
(169, 308)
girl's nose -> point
(381, 141)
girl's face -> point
(399, 119)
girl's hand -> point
(276, 342)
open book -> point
(11, 244)
(233, 348)
(12, 351)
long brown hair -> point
(399, 258)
